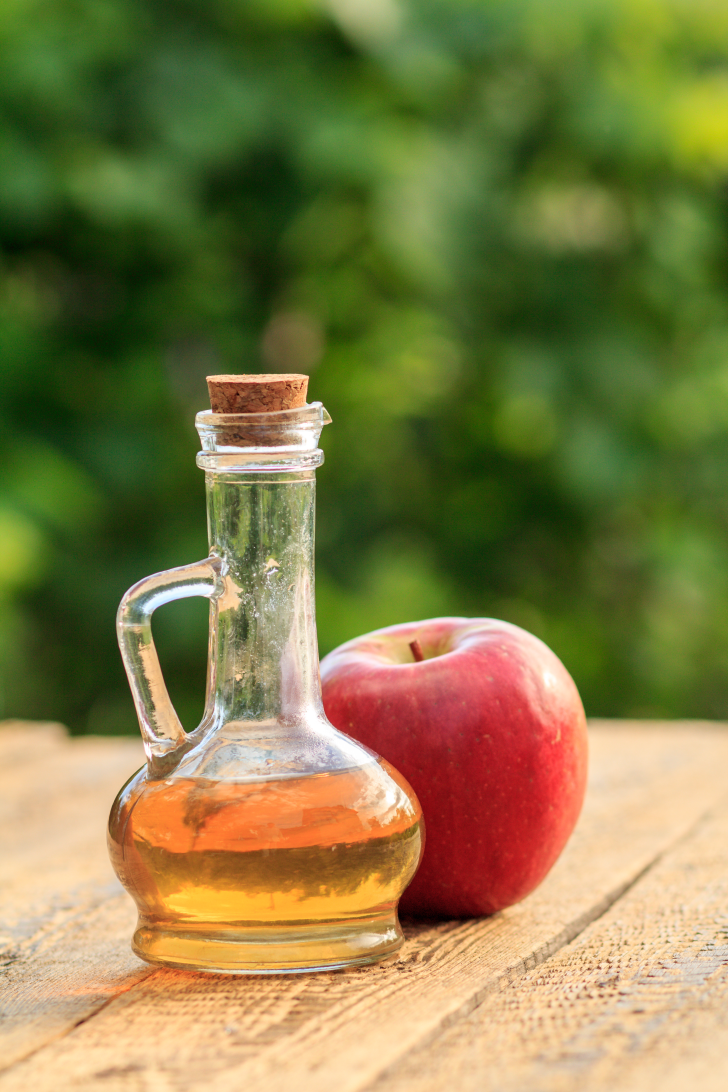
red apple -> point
(489, 730)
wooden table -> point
(613, 975)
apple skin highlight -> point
(490, 732)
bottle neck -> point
(260, 475)
(263, 662)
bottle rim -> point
(261, 440)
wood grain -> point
(638, 1002)
(649, 786)
(64, 920)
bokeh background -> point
(495, 232)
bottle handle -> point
(161, 728)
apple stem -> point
(417, 650)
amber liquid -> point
(284, 874)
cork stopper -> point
(256, 393)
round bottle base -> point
(269, 949)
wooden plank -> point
(53, 814)
(174, 1030)
(21, 743)
(64, 920)
(638, 1002)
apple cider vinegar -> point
(264, 841)
(296, 854)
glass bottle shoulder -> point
(189, 813)
(256, 751)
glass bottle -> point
(264, 840)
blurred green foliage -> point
(494, 231)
